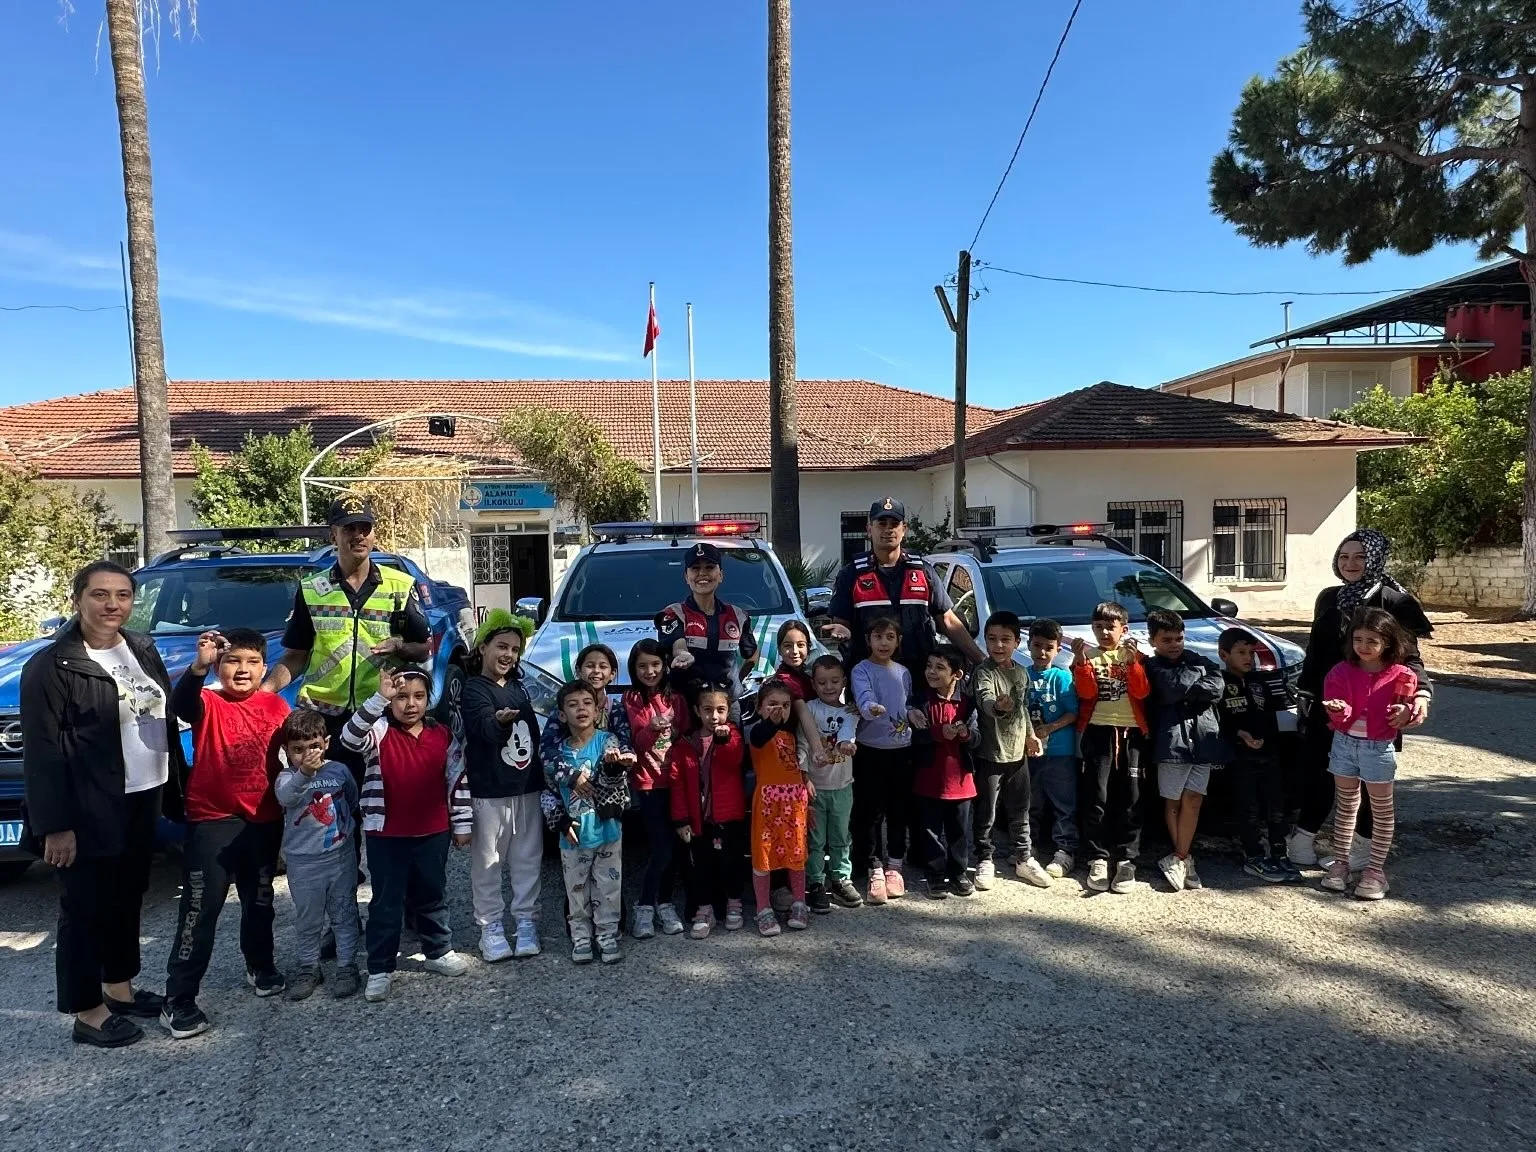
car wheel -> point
(447, 710)
(13, 870)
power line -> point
(1186, 291)
(1060, 44)
(58, 307)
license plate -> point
(10, 833)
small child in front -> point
(1053, 775)
(829, 861)
(1363, 695)
(1186, 738)
(415, 799)
(779, 805)
(945, 784)
(319, 799)
(1001, 686)
(882, 765)
(709, 810)
(1258, 784)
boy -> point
(1111, 685)
(233, 829)
(832, 807)
(1186, 738)
(1053, 775)
(319, 799)
(415, 797)
(590, 839)
(1248, 723)
(1008, 739)
(944, 782)
(882, 763)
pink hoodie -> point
(1368, 695)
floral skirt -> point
(778, 827)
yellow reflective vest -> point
(342, 668)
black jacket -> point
(1245, 708)
(1183, 711)
(1325, 646)
(501, 760)
(72, 757)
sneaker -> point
(305, 983)
(1289, 873)
(895, 882)
(962, 886)
(799, 916)
(183, 1019)
(378, 986)
(817, 900)
(493, 943)
(1060, 865)
(1266, 869)
(1359, 854)
(115, 1032)
(781, 899)
(450, 963)
(267, 982)
(1301, 847)
(527, 939)
(671, 922)
(1173, 870)
(1030, 871)
(643, 926)
(703, 922)
(985, 872)
(876, 893)
(581, 951)
(1098, 876)
(1192, 881)
(735, 918)
(345, 982)
(767, 922)
(844, 893)
(936, 889)
(1337, 879)
(1373, 885)
(1125, 877)
(608, 950)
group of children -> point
(842, 776)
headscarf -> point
(1351, 595)
(499, 620)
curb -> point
(1505, 687)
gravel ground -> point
(1243, 1017)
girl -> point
(598, 666)
(656, 717)
(779, 806)
(1366, 698)
(794, 646)
(709, 810)
(505, 779)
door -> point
(530, 567)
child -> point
(415, 797)
(882, 765)
(656, 716)
(319, 799)
(1186, 738)
(779, 805)
(945, 784)
(1053, 775)
(233, 820)
(598, 666)
(1111, 684)
(1251, 732)
(832, 806)
(794, 644)
(501, 753)
(1362, 695)
(1001, 686)
(709, 810)
(591, 842)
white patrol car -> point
(614, 588)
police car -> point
(616, 585)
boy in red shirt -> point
(234, 824)
(944, 732)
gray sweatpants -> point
(324, 885)
(594, 886)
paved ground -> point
(1240, 1017)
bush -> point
(48, 532)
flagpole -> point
(693, 417)
(655, 424)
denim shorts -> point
(1173, 780)
(1373, 761)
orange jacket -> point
(1137, 688)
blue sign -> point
(505, 496)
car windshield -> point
(637, 583)
(194, 599)
(1067, 590)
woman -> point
(100, 744)
(1361, 563)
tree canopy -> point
(578, 464)
(48, 532)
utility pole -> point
(960, 324)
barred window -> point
(980, 516)
(1248, 539)
(1154, 528)
(855, 533)
(124, 547)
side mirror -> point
(51, 625)
(816, 601)
(532, 607)
(1224, 607)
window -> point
(855, 532)
(635, 583)
(962, 590)
(1330, 389)
(759, 518)
(983, 516)
(1066, 590)
(1248, 540)
(1153, 528)
(124, 548)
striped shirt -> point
(368, 732)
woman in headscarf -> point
(1361, 563)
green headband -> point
(499, 620)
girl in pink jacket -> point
(1361, 696)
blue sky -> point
(392, 189)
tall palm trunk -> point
(784, 432)
(156, 480)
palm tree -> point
(784, 434)
(157, 483)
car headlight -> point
(542, 688)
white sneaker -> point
(1173, 870)
(1301, 848)
(608, 950)
(450, 963)
(671, 923)
(1125, 877)
(986, 871)
(1192, 880)
(1098, 875)
(1359, 854)
(527, 939)
(644, 925)
(378, 986)
(493, 943)
(1061, 865)
(1030, 871)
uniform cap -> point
(349, 508)
(889, 507)
(702, 553)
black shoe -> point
(267, 981)
(962, 886)
(305, 983)
(816, 896)
(843, 893)
(936, 889)
(116, 1032)
(183, 1019)
(145, 1004)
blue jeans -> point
(1372, 761)
(409, 875)
(1054, 786)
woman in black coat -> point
(100, 745)
(1361, 563)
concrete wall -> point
(1481, 578)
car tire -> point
(13, 870)
(447, 710)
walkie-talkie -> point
(397, 616)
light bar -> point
(218, 535)
(1011, 530)
(679, 528)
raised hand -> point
(209, 645)
(505, 716)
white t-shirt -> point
(141, 712)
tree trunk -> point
(1528, 266)
(784, 431)
(156, 479)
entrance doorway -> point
(506, 566)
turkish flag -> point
(652, 331)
